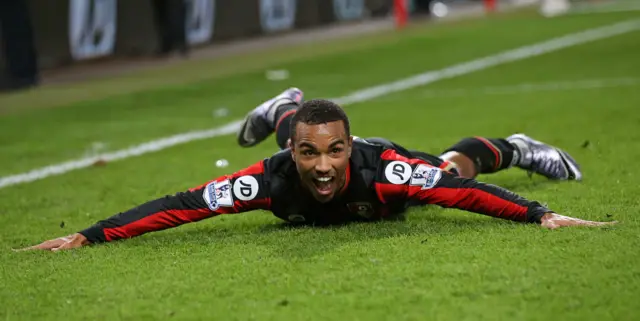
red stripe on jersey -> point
(346, 180)
(472, 199)
(171, 218)
(157, 221)
(390, 192)
(391, 155)
(495, 151)
(255, 169)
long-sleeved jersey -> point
(381, 181)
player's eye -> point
(308, 152)
(336, 150)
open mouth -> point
(324, 185)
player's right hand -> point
(553, 221)
(62, 243)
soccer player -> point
(326, 176)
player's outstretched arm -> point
(414, 180)
(478, 197)
(241, 192)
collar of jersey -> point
(346, 180)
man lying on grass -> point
(327, 176)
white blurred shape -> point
(95, 149)
(222, 163)
(552, 8)
(439, 9)
(221, 112)
(277, 75)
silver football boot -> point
(260, 122)
(547, 160)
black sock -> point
(284, 115)
(488, 154)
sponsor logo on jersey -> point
(398, 172)
(425, 176)
(218, 194)
(245, 188)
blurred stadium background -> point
(87, 83)
(42, 39)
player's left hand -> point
(554, 221)
(61, 243)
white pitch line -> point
(590, 8)
(366, 94)
(491, 61)
(533, 87)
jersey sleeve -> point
(415, 181)
(242, 191)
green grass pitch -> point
(435, 265)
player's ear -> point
(350, 145)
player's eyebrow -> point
(307, 145)
(338, 142)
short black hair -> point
(318, 111)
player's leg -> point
(271, 116)
(479, 155)
(283, 118)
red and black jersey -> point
(382, 180)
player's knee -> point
(449, 166)
(459, 163)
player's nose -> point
(323, 164)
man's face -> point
(321, 153)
